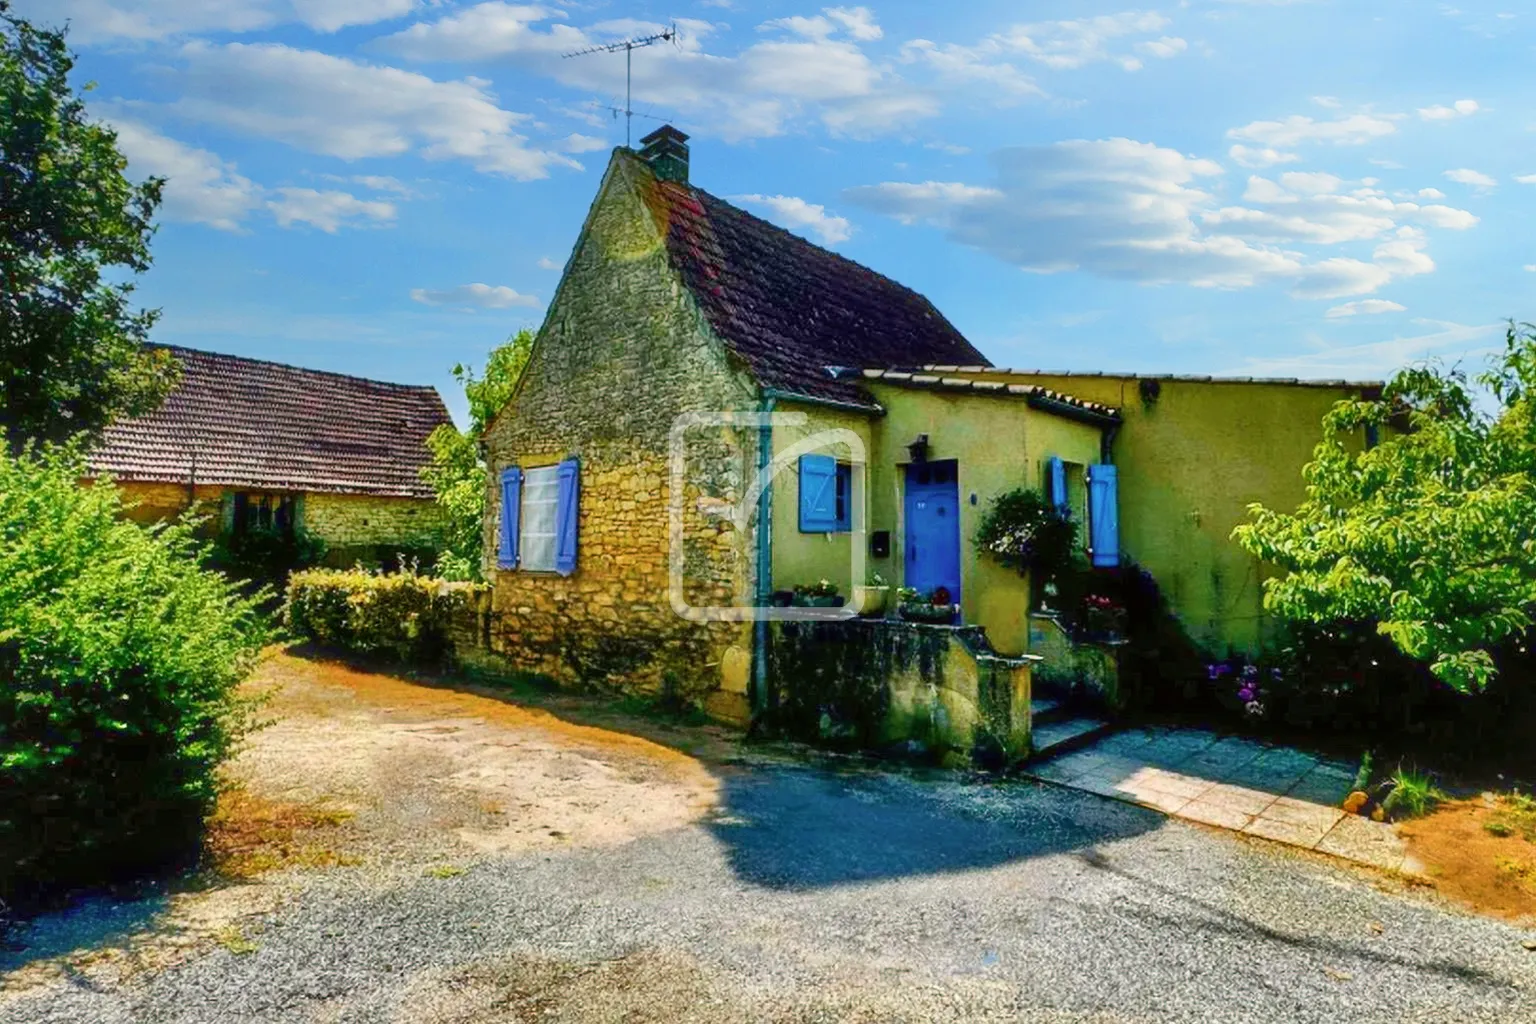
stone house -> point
(260, 444)
(716, 411)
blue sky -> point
(389, 187)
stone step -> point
(1045, 709)
(1054, 738)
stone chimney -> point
(666, 150)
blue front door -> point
(933, 528)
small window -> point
(539, 522)
(844, 498)
(268, 512)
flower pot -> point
(819, 600)
(933, 614)
(870, 601)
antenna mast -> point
(629, 46)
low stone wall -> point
(898, 686)
(1069, 668)
(357, 521)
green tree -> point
(1431, 534)
(71, 345)
(457, 471)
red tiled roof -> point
(243, 422)
(792, 310)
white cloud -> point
(1438, 112)
(97, 21)
(971, 64)
(1431, 193)
(384, 183)
(798, 215)
(858, 21)
(1328, 102)
(545, 263)
(337, 107)
(809, 67)
(578, 143)
(1132, 210)
(1353, 130)
(1364, 307)
(1167, 46)
(1526, 179)
(1531, 267)
(328, 211)
(1378, 359)
(200, 187)
(1466, 176)
(1246, 156)
(481, 296)
(1064, 45)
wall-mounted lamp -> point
(919, 448)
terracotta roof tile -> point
(247, 423)
(792, 310)
(940, 381)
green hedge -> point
(401, 616)
(119, 658)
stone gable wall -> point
(624, 351)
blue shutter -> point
(1103, 516)
(818, 494)
(511, 506)
(1057, 471)
(567, 516)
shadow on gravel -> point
(1213, 918)
(89, 922)
(803, 828)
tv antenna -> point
(629, 46)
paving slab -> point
(1276, 793)
(1361, 839)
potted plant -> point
(870, 599)
(937, 608)
(821, 594)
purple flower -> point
(1250, 672)
(1245, 694)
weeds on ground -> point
(1515, 816)
(234, 940)
(249, 836)
(442, 871)
(1414, 794)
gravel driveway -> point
(813, 892)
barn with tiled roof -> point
(267, 445)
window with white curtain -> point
(541, 496)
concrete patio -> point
(1274, 792)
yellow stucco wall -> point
(1190, 461)
(151, 503)
(804, 558)
(1000, 443)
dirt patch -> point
(429, 772)
(249, 836)
(1480, 852)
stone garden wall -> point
(897, 686)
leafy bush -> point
(1025, 532)
(266, 555)
(401, 616)
(119, 658)
(1428, 536)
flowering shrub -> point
(1025, 532)
(1243, 685)
(1102, 615)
